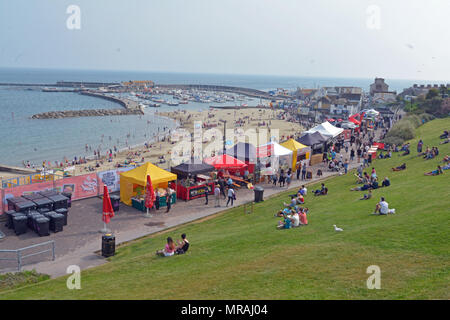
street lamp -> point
(224, 134)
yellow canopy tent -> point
(298, 150)
(138, 177)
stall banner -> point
(347, 134)
(199, 191)
(23, 190)
(81, 187)
(111, 178)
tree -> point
(432, 93)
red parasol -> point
(108, 211)
(149, 194)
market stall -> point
(245, 152)
(133, 184)
(274, 156)
(299, 151)
(326, 129)
(226, 162)
(193, 177)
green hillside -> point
(242, 256)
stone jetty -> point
(129, 107)
(86, 113)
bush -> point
(403, 129)
(19, 279)
(393, 140)
(426, 116)
(414, 120)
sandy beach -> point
(245, 118)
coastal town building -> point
(380, 94)
(138, 84)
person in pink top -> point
(303, 219)
(168, 250)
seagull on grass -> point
(337, 229)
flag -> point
(149, 193)
(108, 211)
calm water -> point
(52, 139)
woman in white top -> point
(231, 196)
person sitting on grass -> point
(285, 224)
(322, 191)
(295, 220)
(436, 172)
(386, 182)
(445, 141)
(382, 208)
(168, 250)
(293, 202)
(445, 135)
(183, 245)
(446, 159)
(302, 215)
(374, 184)
(400, 168)
(367, 196)
(303, 190)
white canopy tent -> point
(327, 129)
(273, 156)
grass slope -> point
(238, 256)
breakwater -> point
(129, 107)
(86, 113)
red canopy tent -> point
(225, 162)
(330, 120)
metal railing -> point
(20, 256)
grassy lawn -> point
(238, 256)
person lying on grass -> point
(367, 196)
(446, 159)
(382, 208)
(436, 172)
(400, 168)
(445, 141)
(168, 250)
(183, 245)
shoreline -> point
(244, 118)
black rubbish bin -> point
(69, 196)
(64, 213)
(258, 194)
(43, 210)
(115, 201)
(43, 203)
(59, 201)
(20, 224)
(25, 206)
(42, 226)
(56, 222)
(9, 217)
(108, 245)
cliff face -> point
(86, 113)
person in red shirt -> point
(303, 219)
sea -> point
(36, 140)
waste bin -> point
(64, 213)
(56, 222)
(69, 196)
(108, 245)
(59, 201)
(42, 203)
(20, 224)
(42, 226)
(9, 221)
(115, 201)
(258, 194)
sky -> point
(398, 39)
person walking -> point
(157, 197)
(168, 198)
(352, 155)
(299, 169)
(217, 196)
(304, 171)
(206, 194)
(231, 196)
(222, 187)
